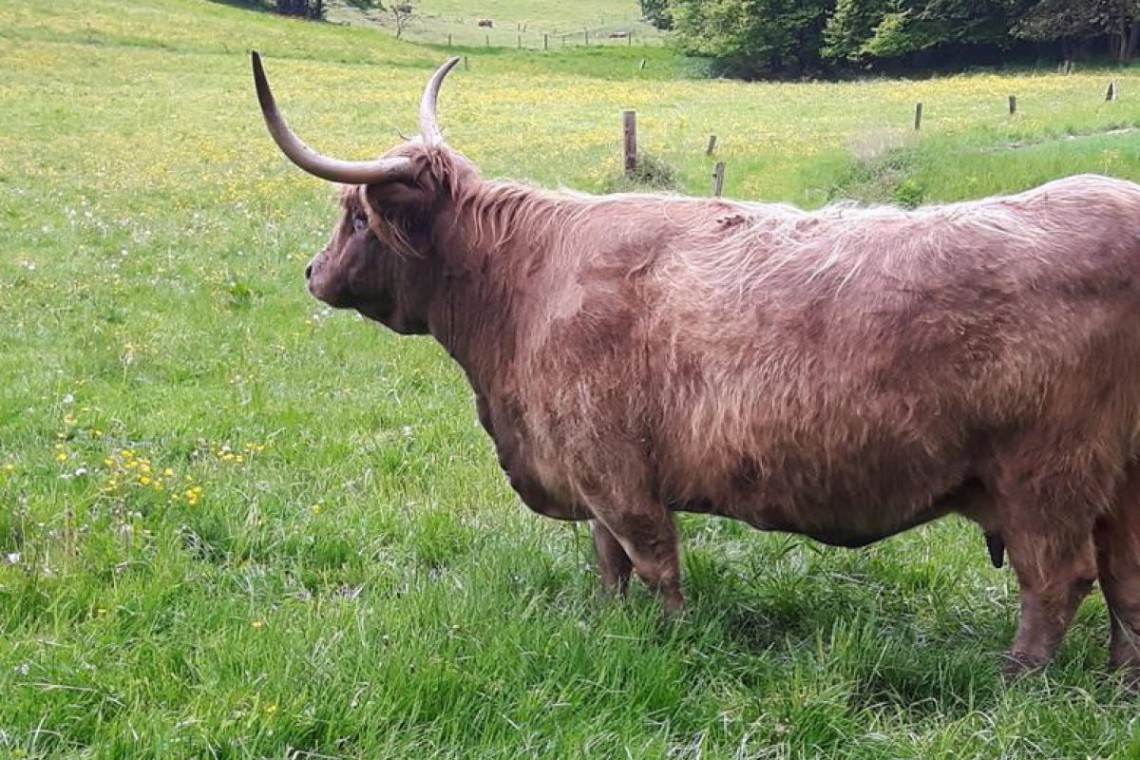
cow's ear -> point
(404, 195)
(397, 196)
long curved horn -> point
(429, 129)
(332, 169)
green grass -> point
(234, 524)
(515, 23)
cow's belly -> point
(530, 487)
(870, 498)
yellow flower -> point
(270, 709)
(317, 509)
(258, 624)
(144, 480)
(62, 457)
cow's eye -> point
(359, 224)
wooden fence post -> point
(918, 115)
(587, 35)
(1012, 105)
(449, 41)
(1110, 94)
(629, 121)
(545, 41)
(718, 179)
(712, 145)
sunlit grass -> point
(234, 523)
(530, 24)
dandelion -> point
(270, 709)
(317, 509)
(144, 480)
(257, 624)
(61, 457)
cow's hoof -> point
(1128, 675)
(1017, 664)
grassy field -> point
(514, 23)
(234, 524)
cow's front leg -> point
(614, 565)
(644, 530)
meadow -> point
(514, 23)
(236, 524)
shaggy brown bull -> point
(845, 374)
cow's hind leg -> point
(1055, 571)
(614, 565)
(1118, 561)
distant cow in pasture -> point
(486, 22)
(845, 374)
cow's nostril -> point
(308, 271)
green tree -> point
(1077, 21)
(751, 38)
(313, 9)
(657, 13)
(850, 27)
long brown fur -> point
(845, 374)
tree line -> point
(310, 9)
(757, 38)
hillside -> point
(513, 23)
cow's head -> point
(380, 259)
